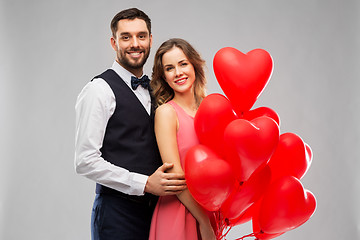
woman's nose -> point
(178, 71)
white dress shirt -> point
(94, 107)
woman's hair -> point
(130, 14)
(160, 89)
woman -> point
(178, 84)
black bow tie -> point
(144, 82)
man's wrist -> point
(139, 183)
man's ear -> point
(113, 43)
(150, 40)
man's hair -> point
(131, 14)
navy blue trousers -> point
(118, 218)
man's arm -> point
(94, 106)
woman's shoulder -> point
(166, 110)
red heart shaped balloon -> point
(246, 216)
(209, 178)
(214, 114)
(249, 144)
(291, 157)
(309, 154)
(285, 206)
(259, 234)
(265, 236)
(241, 76)
(248, 193)
(261, 111)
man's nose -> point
(135, 42)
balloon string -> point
(223, 228)
(221, 225)
(224, 234)
(246, 236)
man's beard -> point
(124, 61)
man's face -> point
(132, 44)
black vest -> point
(129, 140)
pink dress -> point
(171, 220)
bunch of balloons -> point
(244, 169)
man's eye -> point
(125, 37)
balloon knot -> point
(227, 221)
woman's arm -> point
(166, 125)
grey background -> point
(50, 49)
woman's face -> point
(178, 71)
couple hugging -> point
(132, 135)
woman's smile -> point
(181, 81)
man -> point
(115, 140)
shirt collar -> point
(122, 72)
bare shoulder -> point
(165, 111)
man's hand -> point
(161, 183)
